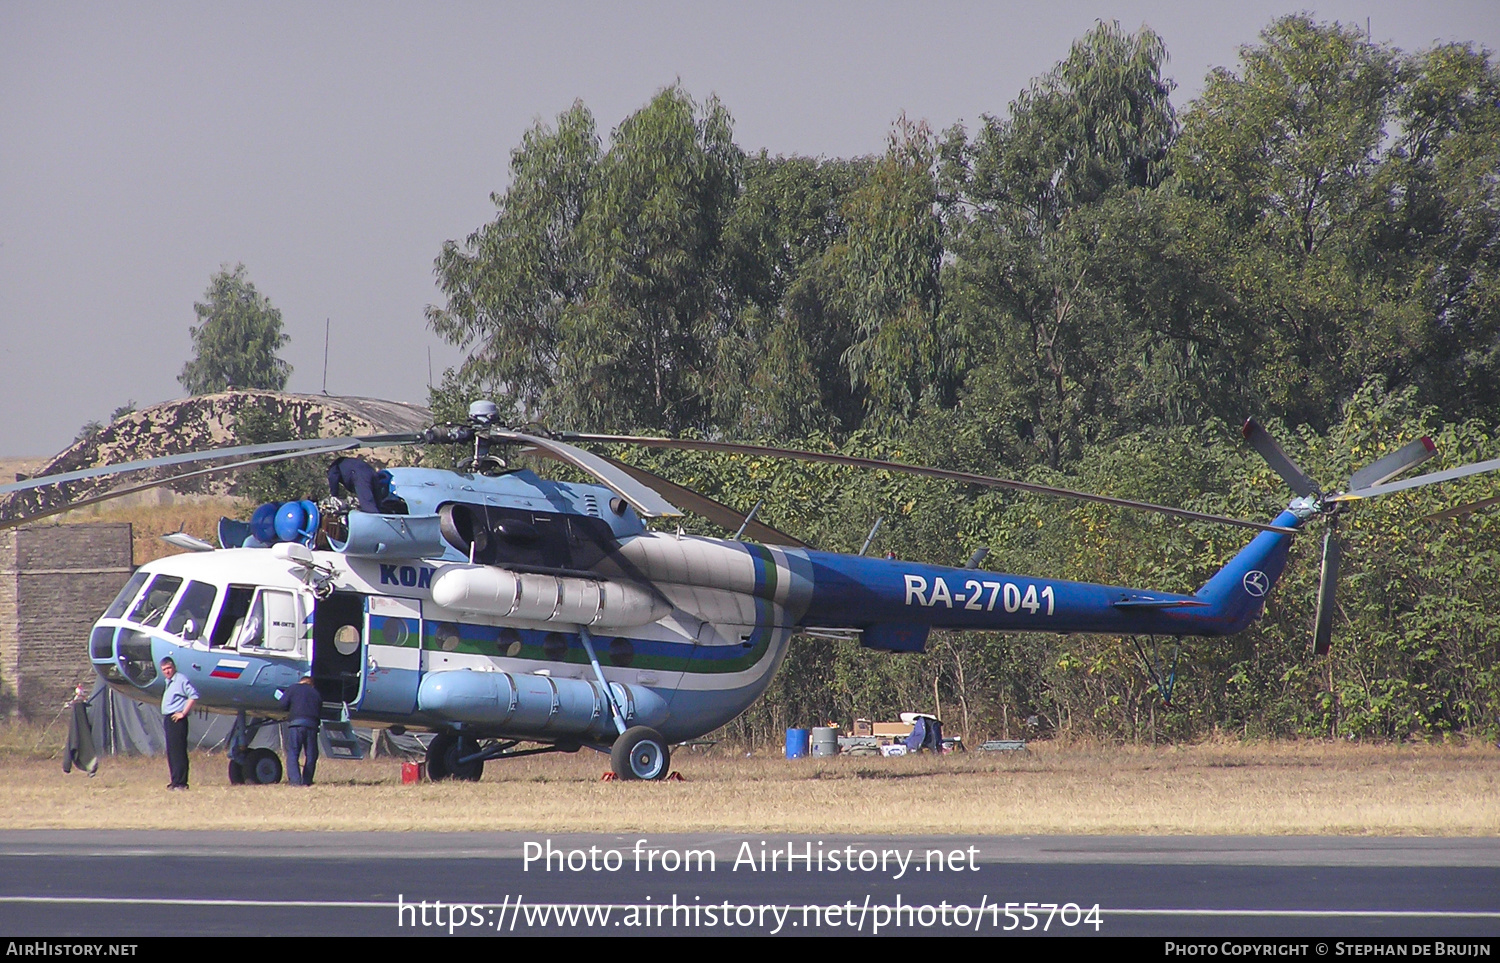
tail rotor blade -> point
(1431, 478)
(1262, 442)
(1402, 459)
(1333, 550)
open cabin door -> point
(339, 647)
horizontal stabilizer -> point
(1160, 604)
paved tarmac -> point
(121, 884)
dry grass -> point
(1209, 789)
(199, 517)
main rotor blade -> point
(1333, 550)
(366, 441)
(1461, 510)
(1261, 440)
(1431, 478)
(645, 501)
(967, 478)
(716, 512)
(1402, 459)
(146, 486)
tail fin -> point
(1238, 591)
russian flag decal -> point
(228, 669)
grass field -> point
(1297, 788)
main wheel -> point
(437, 756)
(467, 771)
(236, 773)
(640, 753)
(263, 766)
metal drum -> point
(825, 741)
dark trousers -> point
(301, 739)
(177, 757)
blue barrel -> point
(796, 743)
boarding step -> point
(335, 712)
(342, 742)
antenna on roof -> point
(327, 324)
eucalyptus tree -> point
(1098, 124)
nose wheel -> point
(640, 753)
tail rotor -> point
(1368, 481)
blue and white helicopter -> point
(493, 607)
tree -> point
(781, 370)
(1035, 323)
(643, 342)
(1288, 152)
(236, 339)
(509, 284)
(295, 478)
(597, 293)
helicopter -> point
(493, 607)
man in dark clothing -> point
(356, 476)
(304, 707)
(371, 488)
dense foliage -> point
(236, 339)
(1088, 288)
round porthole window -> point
(395, 632)
(346, 640)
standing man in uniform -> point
(176, 702)
(304, 707)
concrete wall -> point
(55, 580)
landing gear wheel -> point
(236, 773)
(456, 750)
(640, 753)
(443, 755)
(263, 767)
(437, 756)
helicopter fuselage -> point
(502, 607)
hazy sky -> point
(332, 148)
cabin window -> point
(272, 623)
(346, 639)
(153, 604)
(508, 642)
(393, 631)
(232, 616)
(442, 635)
(127, 595)
(621, 652)
(555, 646)
(190, 618)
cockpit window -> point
(153, 605)
(190, 617)
(127, 595)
